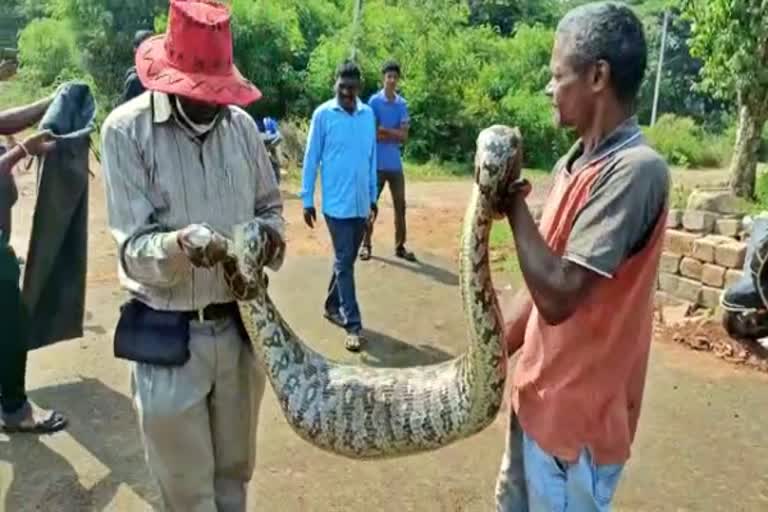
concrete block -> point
(679, 242)
(675, 219)
(670, 262)
(709, 297)
(728, 227)
(720, 239)
(668, 282)
(731, 255)
(698, 221)
(690, 267)
(704, 250)
(688, 289)
(732, 276)
(713, 275)
(717, 201)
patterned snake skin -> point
(366, 413)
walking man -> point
(392, 123)
(18, 413)
(342, 139)
(183, 165)
(584, 325)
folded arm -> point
(392, 134)
(149, 253)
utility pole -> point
(356, 21)
(659, 70)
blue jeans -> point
(346, 236)
(551, 484)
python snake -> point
(367, 413)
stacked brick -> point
(703, 254)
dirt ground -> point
(702, 444)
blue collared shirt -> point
(394, 115)
(344, 145)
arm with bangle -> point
(17, 119)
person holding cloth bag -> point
(17, 413)
(182, 166)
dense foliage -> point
(731, 38)
(467, 64)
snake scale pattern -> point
(369, 413)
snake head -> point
(249, 251)
(498, 161)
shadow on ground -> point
(384, 351)
(102, 422)
(434, 272)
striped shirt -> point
(159, 177)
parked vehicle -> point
(744, 304)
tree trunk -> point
(743, 166)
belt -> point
(213, 312)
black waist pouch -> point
(146, 335)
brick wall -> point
(703, 254)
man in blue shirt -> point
(342, 139)
(392, 122)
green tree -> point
(506, 14)
(680, 75)
(47, 48)
(731, 38)
(104, 31)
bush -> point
(46, 49)
(682, 142)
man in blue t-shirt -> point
(392, 122)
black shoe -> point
(405, 254)
(335, 318)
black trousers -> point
(396, 181)
(13, 337)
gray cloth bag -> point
(55, 273)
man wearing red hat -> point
(182, 165)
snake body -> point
(367, 413)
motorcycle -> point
(745, 303)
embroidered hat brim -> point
(185, 67)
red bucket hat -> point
(194, 57)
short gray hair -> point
(611, 32)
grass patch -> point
(436, 170)
(502, 253)
(18, 92)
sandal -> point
(354, 341)
(405, 254)
(27, 421)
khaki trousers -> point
(198, 422)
